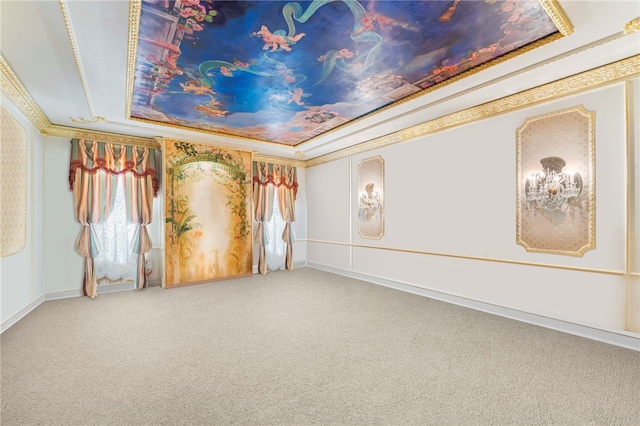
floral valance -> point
(275, 174)
(115, 159)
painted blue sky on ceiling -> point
(286, 72)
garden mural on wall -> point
(208, 217)
(286, 72)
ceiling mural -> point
(286, 72)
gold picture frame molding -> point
(372, 175)
(590, 240)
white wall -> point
(21, 274)
(300, 225)
(454, 194)
(62, 265)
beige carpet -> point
(299, 348)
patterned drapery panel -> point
(93, 170)
(267, 177)
(14, 152)
(262, 209)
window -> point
(116, 261)
(276, 248)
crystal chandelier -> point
(369, 203)
(551, 188)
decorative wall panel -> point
(13, 187)
(371, 198)
(556, 183)
(207, 211)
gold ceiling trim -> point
(632, 26)
(596, 77)
(278, 160)
(82, 120)
(558, 16)
(67, 23)
(207, 132)
(134, 24)
(167, 140)
(72, 132)
(14, 89)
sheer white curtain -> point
(116, 238)
(275, 248)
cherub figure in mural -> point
(226, 71)
(211, 109)
(193, 86)
(278, 39)
(446, 16)
(296, 96)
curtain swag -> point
(114, 159)
(275, 174)
(266, 178)
(94, 197)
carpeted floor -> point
(299, 348)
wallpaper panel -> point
(13, 185)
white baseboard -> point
(102, 289)
(22, 313)
(298, 264)
(625, 339)
(155, 283)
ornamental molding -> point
(135, 6)
(71, 132)
(558, 16)
(278, 160)
(72, 42)
(632, 26)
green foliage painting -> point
(207, 211)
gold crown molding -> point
(278, 160)
(558, 16)
(82, 120)
(632, 26)
(208, 132)
(134, 24)
(466, 257)
(15, 91)
(173, 140)
(71, 132)
(591, 79)
(76, 57)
